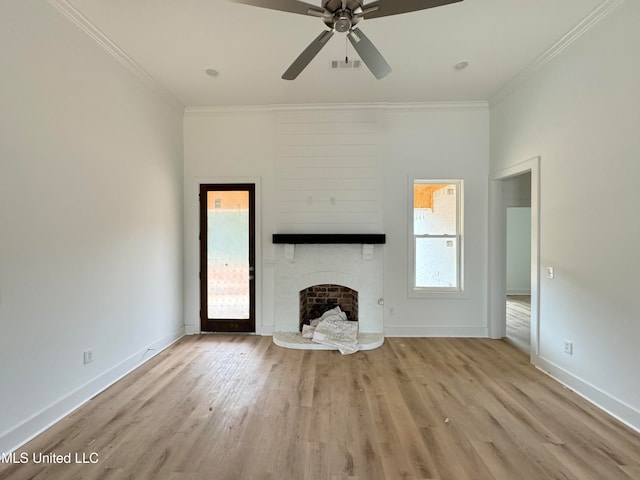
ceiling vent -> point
(341, 64)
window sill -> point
(438, 295)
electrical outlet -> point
(550, 272)
(88, 356)
(568, 347)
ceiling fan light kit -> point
(341, 16)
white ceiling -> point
(174, 41)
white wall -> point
(433, 143)
(90, 219)
(328, 170)
(580, 114)
(364, 155)
(229, 146)
(518, 250)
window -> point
(436, 236)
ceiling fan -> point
(342, 16)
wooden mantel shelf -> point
(329, 238)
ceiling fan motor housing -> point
(342, 22)
(335, 6)
(340, 14)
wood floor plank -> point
(230, 407)
(502, 464)
(518, 314)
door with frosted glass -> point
(227, 258)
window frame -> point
(435, 292)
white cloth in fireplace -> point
(334, 330)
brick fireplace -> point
(352, 275)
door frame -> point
(497, 253)
(227, 325)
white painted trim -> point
(332, 107)
(614, 407)
(84, 24)
(497, 249)
(438, 106)
(265, 330)
(591, 20)
(226, 110)
(194, 111)
(430, 331)
(192, 329)
(522, 291)
(497, 263)
(39, 422)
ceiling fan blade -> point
(396, 7)
(307, 55)
(369, 54)
(291, 6)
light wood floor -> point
(519, 321)
(239, 407)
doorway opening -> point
(227, 258)
(516, 195)
(515, 269)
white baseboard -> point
(191, 329)
(521, 291)
(614, 407)
(38, 423)
(460, 332)
(265, 330)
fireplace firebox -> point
(317, 299)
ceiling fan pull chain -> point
(346, 54)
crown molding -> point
(438, 106)
(591, 20)
(333, 107)
(226, 110)
(82, 22)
